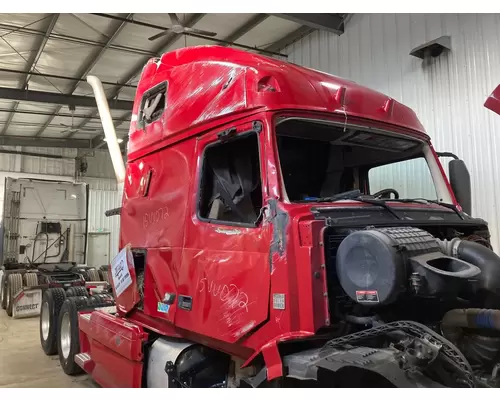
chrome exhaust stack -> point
(109, 129)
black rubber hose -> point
(487, 260)
(474, 318)
(367, 321)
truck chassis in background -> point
(44, 226)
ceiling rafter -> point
(58, 98)
(168, 41)
(247, 27)
(237, 34)
(72, 39)
(51, 114)
(290, 38)
(88, 67)
(32, 62)
(44, 118)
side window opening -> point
(231, 184)
(153, 104)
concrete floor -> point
(24, 364)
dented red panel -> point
(162, 268)
(229, 285)
(208, 91)
(225, 270)
(245, 288)
(156, 218)
(206, 83)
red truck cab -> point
(245, 175)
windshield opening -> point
(319, 161)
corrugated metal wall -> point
(101, 201)
(99, 164)
(447, 93)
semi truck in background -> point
(259, 249)
(44, 226)
(44, 222)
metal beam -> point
(64, 115)
(247, 27)
(32, 154)
(93, 60)
(32, 66)
(324, 22)
(196, 35)
(136, 70)
(68, 78)
(57, 98)
(290, 38)
(238, 33)
(72, 39)
(8, 140)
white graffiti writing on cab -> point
(231, 295)
(154, 217)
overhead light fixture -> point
(119, 140)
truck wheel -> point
(31, 279)
(14, 285)
(93, 275)
(52, 301)
(68, 341)
(3, 291)
(104, 276)
(77, 291)
(101, 300)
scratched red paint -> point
(230, 272)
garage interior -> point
(50, 126)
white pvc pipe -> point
(109, 128)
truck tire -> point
(31, 279)
(3, 291)
(52, 302)
(77, 291)
(68, 341)
(101, 300)
(104, 276)
(14, 285)
(93, 275)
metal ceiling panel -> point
(33, 21)
(64, 59)
(85, 26)
(127, 94)
(36, 107)
(15, 49)
(28, 119)
(44, 84)
(223, 24)
(113, 50)
(268, 32)
(113, 65)
(137, 36)
(21, 130)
